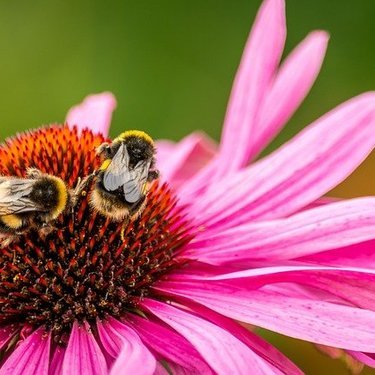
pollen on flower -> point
(83, 269)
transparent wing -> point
(14, 196)
(134, 188)
(117, 172)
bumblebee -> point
(128, 165)
(31, 202)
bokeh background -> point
(171, 65)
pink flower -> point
(241, 244)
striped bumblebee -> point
(31, 202)
(128, 165)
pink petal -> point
(256, 343)
(353, 285)
(265, 275)
(198, 184)
(257, 69)
(258, 66)
(301, 171)
(178, 370)
(222, 351)
(160, 369)
(366, 358)
(30, 357)
(353, 366)
(327, 227)
(55, 367)
(316, 321)
(357, 288)
(356, 255)
(170, 345)
(179, 162)
(6, 333)
(321, 202)
(122, 343)
(292, 83)
(164, 150)
(83, 355)
(95, 113)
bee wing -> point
(14, 193)
(116, 174)
(137, 178)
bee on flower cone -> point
(122, 181)
(221, 240)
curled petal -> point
(222, 351)
(161, 370)
(367, 358)
(179, 162)
(94, 113)
(6, 334)
(179, 370)
(170, 345)
(164, 149)
(354, 366)
(31, 356)
(122, 343)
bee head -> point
(140, 145)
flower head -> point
(168, 295)
(84, 270)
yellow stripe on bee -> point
(134, 133)
(62, 197)
(12, 221)
(105, 164)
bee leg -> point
(6, 240)
(83, 183)
(80, 189)
(123, 227)
(45, 230)
(153, 175)
(135, 212)
(104, 149)
(33, 173)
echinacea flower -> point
(168, 297)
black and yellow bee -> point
(121, 185)
(31, 202)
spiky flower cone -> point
(83, 269)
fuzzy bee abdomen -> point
(11, 223)
(109, 205)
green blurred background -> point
(171, 65)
